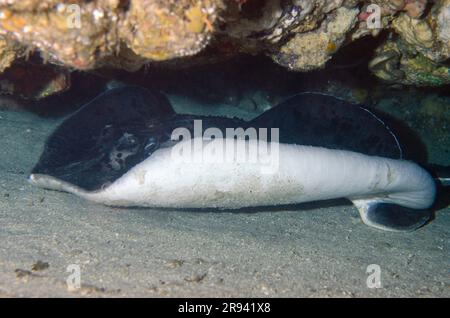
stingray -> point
(128, 148)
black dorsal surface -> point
(320, 120)
(112, 133)
(114, 124)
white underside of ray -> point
(289, 174)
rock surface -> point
(299, 35)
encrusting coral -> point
(417, 55)
(298, 34)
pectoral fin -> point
(391, 217)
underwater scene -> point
(225, 148)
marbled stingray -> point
(329, 149)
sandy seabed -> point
(315, 250)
